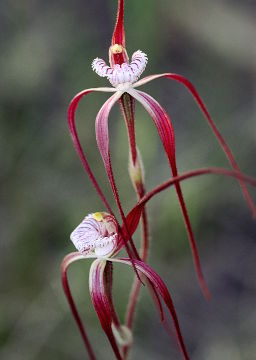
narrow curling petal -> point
(102, 137)
(190, 87)
(119, 34)
(166, 133)
(100, 301)
(74, 136)
(163, 292)
(133, 217)
(67, 261)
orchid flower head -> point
(124, 78)
(97, 226)
(96, 235)
(99, 235)
(124, 74)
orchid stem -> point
(127, 104)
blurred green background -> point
(46, 52)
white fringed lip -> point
(95, 237)
(121, 74)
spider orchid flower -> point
(98, 237)
(124, 78)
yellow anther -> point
(98, 216)
(117, 49)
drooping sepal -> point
(166, 133)
(101, 301)
(193, 91)
(162, 292)
(133, 217)
(117, 52)
(77, 144)
(119, 34)
(102, 137)
(67, 261)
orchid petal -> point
(122, 333)
(100, 301)
(102, 137)
(127, 104)
(117, 52)
(166, 133)
(67, 261)
(71, 121)
(119, 35)
(124, 74)
(190, 87)
(162, 290)
(133, 217)
(101, 68)
(73, 132)
(199, 172)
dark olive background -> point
(46, 50)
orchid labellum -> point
(99, 235)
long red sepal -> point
(163, 292)
(191, 88)
(133, 217)
(102, 136)
(73, 132)
(119, 35)
(67, 261)
(166, 133)
(101, 301)
(217, 133)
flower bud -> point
(123, 335)
(96, 235)
(136, 171)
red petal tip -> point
(119, 35)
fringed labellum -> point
(96, 235)
(124, 74)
